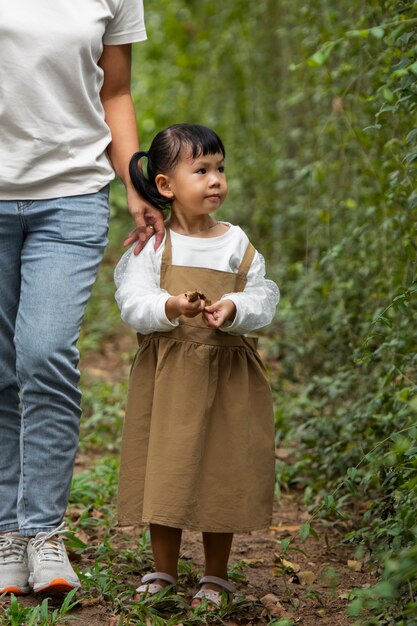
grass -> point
(42, 615)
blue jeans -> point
(50, 251)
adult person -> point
(66, 120)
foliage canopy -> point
(316, 103)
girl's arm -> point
(120, 116)
(246, 311)
(141, 300)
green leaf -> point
(322, 55)
(284, 544)
(356, 33)
(305, 530)
(413, 68)
(412, 135)
(387, 93)
(412, 200)
(377, 32)
(410, 157)
(329, 501)
(385, 320)
(352, 472)
(355, 607)
(373, 127)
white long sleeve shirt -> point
(142, 301)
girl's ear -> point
(163, 184)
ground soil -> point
(309, 583)
(313, 595)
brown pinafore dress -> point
(198, 439)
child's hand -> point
(217, 314)
(180, 305)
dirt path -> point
(312, 585)
(309, 587)
(308, 583)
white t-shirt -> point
(53, 136)
(142, 301)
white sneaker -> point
(14, 570)
(49, 566)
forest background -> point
(316, 104)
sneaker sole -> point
(18, 591)
(57, 585)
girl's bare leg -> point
(217, 548)
(166, 543)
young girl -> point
(198, 439)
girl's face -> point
(197, 186)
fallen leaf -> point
(91, 602)
(289, 528)
(131, 531)
(82, 535)
(274, 606)
(355, 565)
(74, 512)
(288, 565)
(307, 578)
(345, 595)
(253, 561)
(251, 598)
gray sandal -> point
(215, 597)
(150, 589)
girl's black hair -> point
(164, 154)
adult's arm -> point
(120, 116)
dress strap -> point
(166, 260)
(244, 267)
(247, 259)
(167, 253)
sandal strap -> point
(209, 594)
(221, 582)
(150, 589)
(149, 578)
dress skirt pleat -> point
(200, 460)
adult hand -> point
(218, 313)
(148, 221)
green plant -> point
(316, 103)
(41, 615)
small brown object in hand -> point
(192, 296)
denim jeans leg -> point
(64, 244)
(11, 240)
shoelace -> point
(48, 546)
(12, 549)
